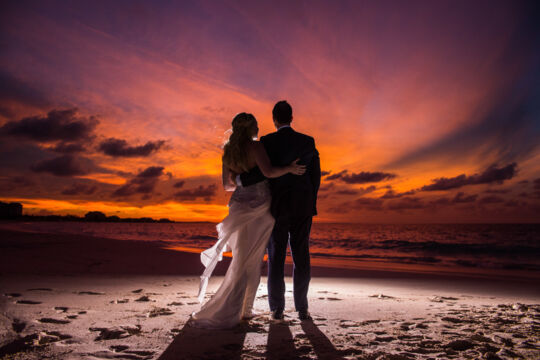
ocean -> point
(481, 249)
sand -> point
(67, 297)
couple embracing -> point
(275, 183)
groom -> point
(294, 201)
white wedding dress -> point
(245, 231)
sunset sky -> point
(422, 111)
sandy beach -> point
(80, 297)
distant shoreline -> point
(110, 219)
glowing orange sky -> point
(422, 92)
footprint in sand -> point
(159, 312)
(18, 325)
(368, 322)
(140, 352)
(385, 338)
(143, 298)
(61, 309)
(460, 345)
(175, 303)
(72, 317)
(120, 301)
(115, 333)
(326, 292)
(381, 296)
(333, 299)
(129, 354)
(90, 293)
(437, 298)
(452, 320)
(46, 337)
(28, 302)
(118, 348)
(40, 289)
(13, 295)
(138, 291)
(348, 324)
(53, 321)
(406, 325)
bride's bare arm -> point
(227, 176)
(261, 157)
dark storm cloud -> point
(461, 198)
(361, 178)
(80, 189)
(491, 175)
(507, 128)
(359, 191)
(151, 172)
(58, 125)
(143, 183)
(204, 192)
(68, 148)
(66, 165)
(179, 184)
(120, 148)
(391, 194)
(336, 176)
(347, 192)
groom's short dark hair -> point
(282, 112)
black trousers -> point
(293, 231)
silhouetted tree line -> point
(13, 211)
(10, 210)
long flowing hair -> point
(235, 153)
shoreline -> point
(154, 258)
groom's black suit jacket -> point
(292, 195)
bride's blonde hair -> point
(235, 153)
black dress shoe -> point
(304, 315)
(277, 315)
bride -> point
(245, 231)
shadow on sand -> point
(195, 343)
